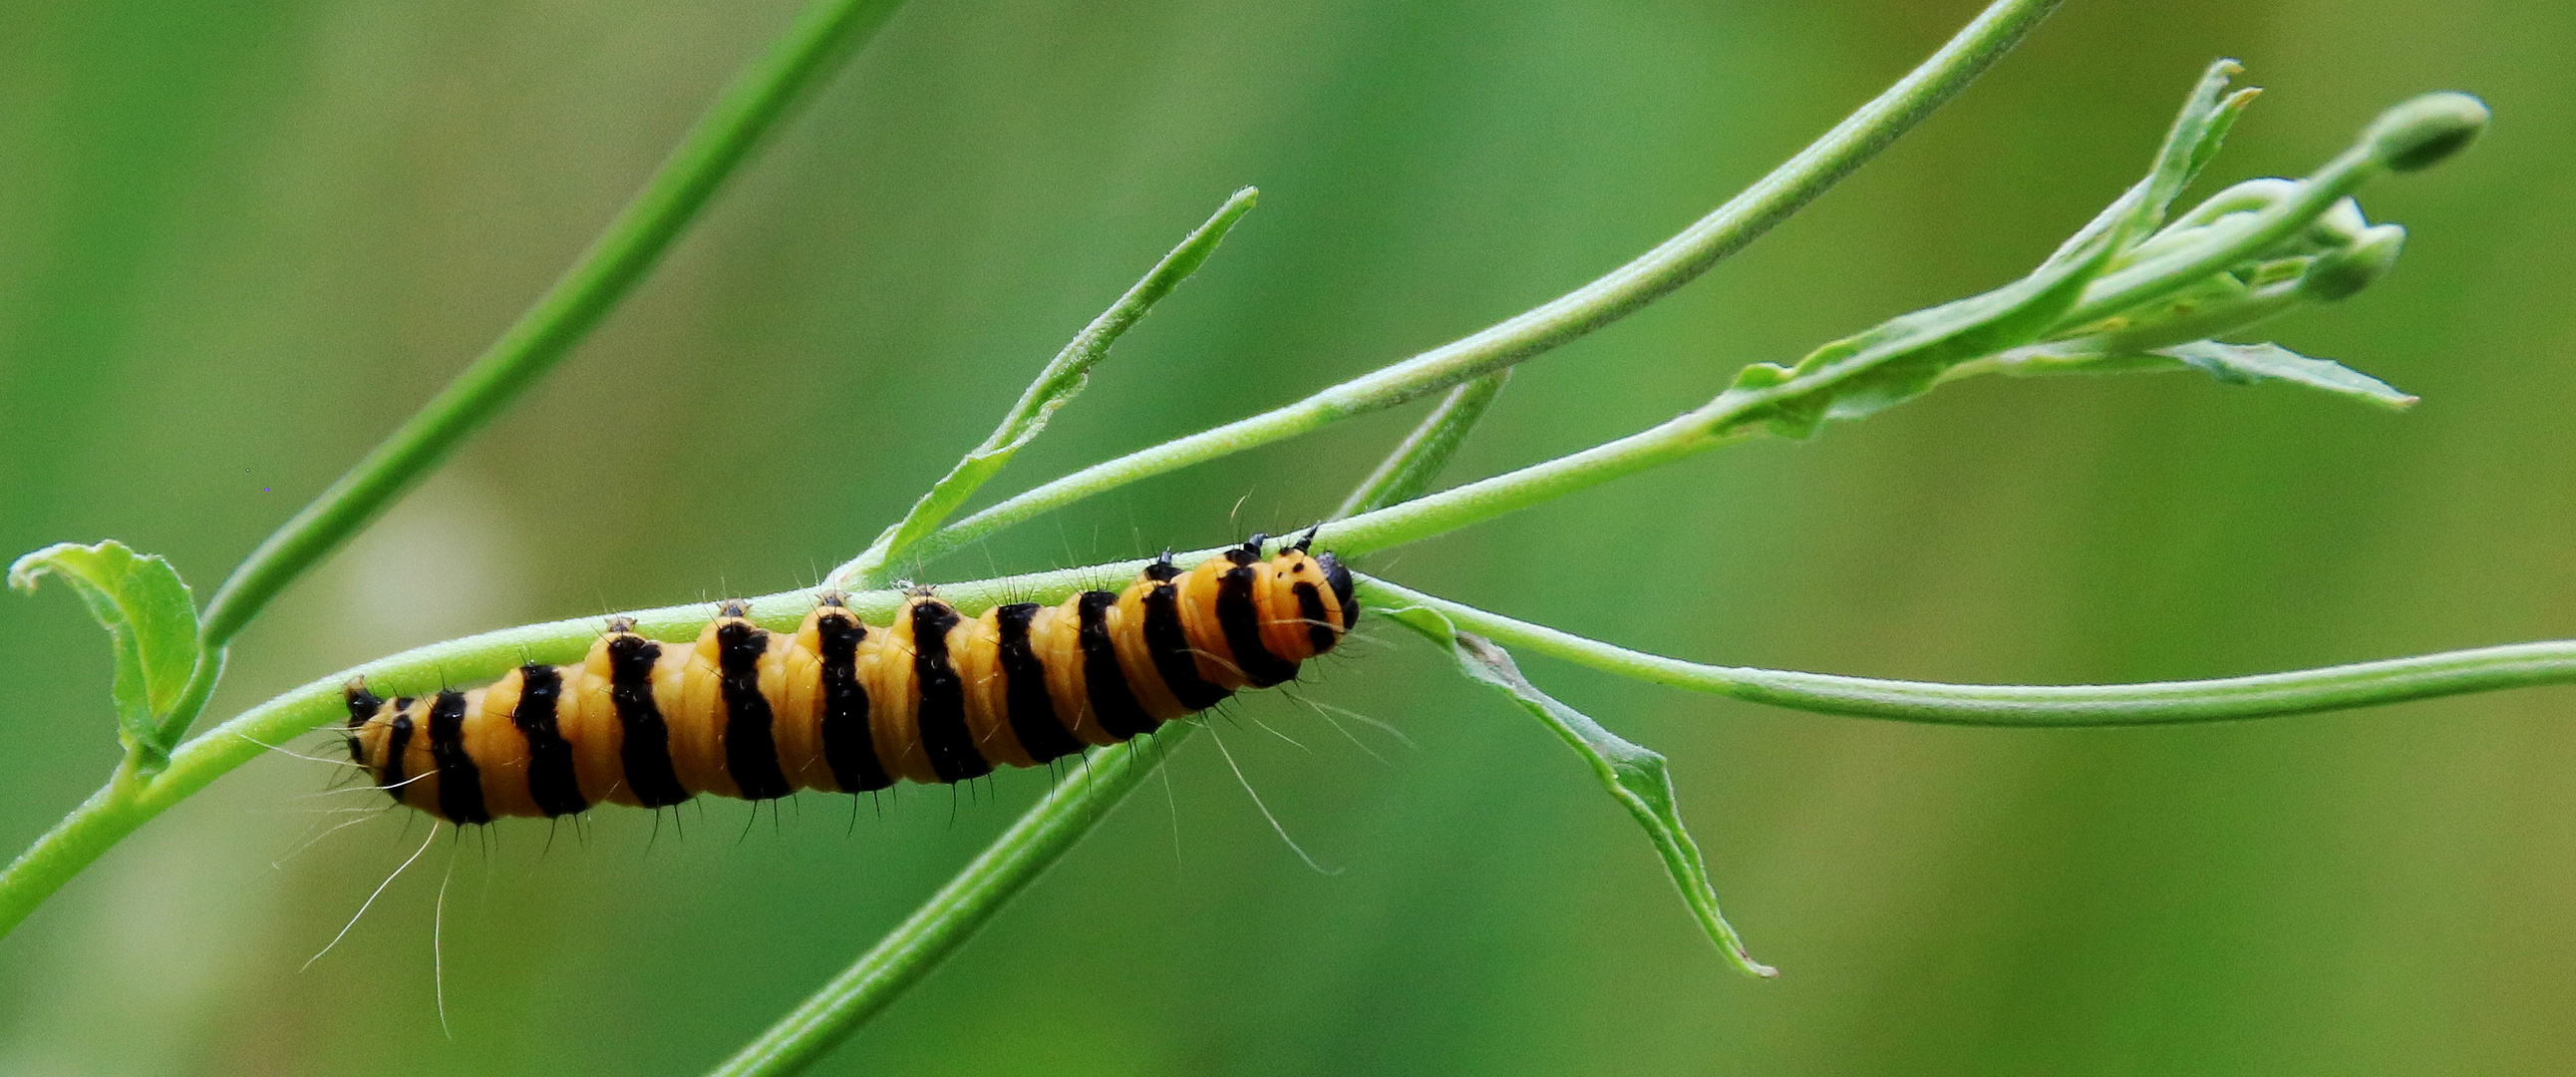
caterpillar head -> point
(1314, 597)
(1338, 577)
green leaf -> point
(2245, 364)
(2216, 133)
(1635, 776)
(1905, 356)
(1056, 385)
(2235, 364)
(2194, 138)
(151, 622)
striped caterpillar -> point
(842, 706)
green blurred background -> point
(239, 241)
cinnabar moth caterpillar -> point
(842, 706)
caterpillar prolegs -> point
(843, 706)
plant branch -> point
(1043, 834)
(1946, 337)
(2363, 684)
(1732, 415)
(1417, 461)
(1675, 262)
(633, 242)
(1055, 385)
(1049, 828)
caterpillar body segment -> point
(839, 705)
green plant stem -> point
(2137, 285)
(2362, 684)
(1727, 418)
(1043, 834)
(99, 823)
(633, 242)
(116, 810)
(1055, 385)
(1418, 460)
(1050, 828)
(1649, 276)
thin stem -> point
(1669, 265)
(1055, 385)
(117, 809)
(1043, 834)
(633, 242)
(1050, 828)
(1689, 434)
(1724, 420)
(2362, 684)
(96, 825)
(712, 150)
(1418, 460)
(2156, 278)
(102, 821)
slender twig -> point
(1049, 828)
(1408, 472)
(633, 242)
(1055, 385)
(2362, 684)
(1730, 417)
(109, 815)
(714, 148)
(1042, 835)
(1675, 262)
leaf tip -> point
(23, 572)
(32, 565)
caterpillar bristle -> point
(838, 705)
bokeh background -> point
(239, 241)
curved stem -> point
(712, 150)
(1675, 262)
(1054, 387)
(1417, 461)
(633, 242)
(2361, 684)
(1043, 834)
(1689, 434)
(654, 219)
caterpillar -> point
(843, 706)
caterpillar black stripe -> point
(842, 706)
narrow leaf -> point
(2193, 139)
(2245, 364)
(1408, 471)
(2235, 364)
(1635, 776)
(1056, 385)
(151, 623)
(1905, 356)
(2216, 134)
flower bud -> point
(2338, 274)
(2420, 133)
